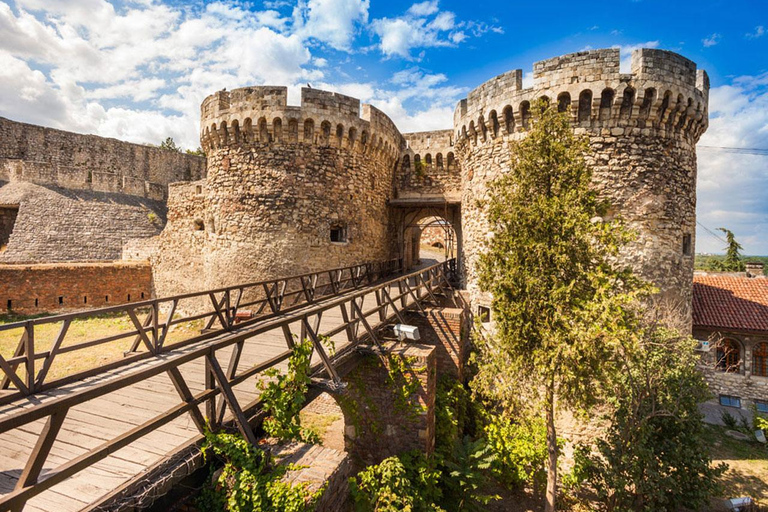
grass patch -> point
(318, 423)
(80, 331)
(747, 461)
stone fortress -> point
(331, 182)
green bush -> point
(408, 482)
(521, 451)
(249, 481)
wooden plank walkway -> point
(101, 419)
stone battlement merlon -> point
(663, 92)
(262, 115)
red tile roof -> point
(730, 302)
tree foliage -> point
(654, 456)
(170, 145)
(732, 261)
(559, 300)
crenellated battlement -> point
(261, 115)
(664, 94)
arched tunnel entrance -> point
(427, 231)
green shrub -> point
(249, 481)
(465, 476)
(729, 420)
(407, 482)
(521, 450)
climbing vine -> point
(404, 383)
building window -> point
(687, 245)
(338, 233)
(760, 359)
(484, 313)
(728, 356)
(730, 401)
(761, 406)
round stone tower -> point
(293, 189)
(642, 129)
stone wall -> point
(742, 382)
(642, 129)
(289, 189)
(74, 286)
(428, 167)
(8, 216)
(55, 224)
(434, 236)
(86, 162)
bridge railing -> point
(151, 323)
(221, 406)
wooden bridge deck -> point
(95, 422)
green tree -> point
(199, 151)
(170, 145)
(558, 300)
(732, 262)
(654, 456)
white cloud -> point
(424, 26)
(334, 22)
(711, 40)
(759, 32)
(731, 186)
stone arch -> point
(645, 108)
(236, 131)
(439, 160)
(339, 134)
(627, 102)
(509, 119)
(248, 130)
(364, 139)
(482, 128)
(664, 108)
(293, 130)
(472, 132)
(277, 129)
(406, 163)
(450, 161)
(263, 131)
(352, 137)
(606, 103)
(224, 133)
(563, 102)
(417, 168)
(494, 119)
(525, 114)
(428, 160)
(325, 133)
(464, 132)
(677, 112)
(309, 130)
(585, 106)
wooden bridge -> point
(97, 439)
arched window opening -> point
(664, 108)
(760, 359)
(364, 138)
(509, 119)
(645, 108)
(277, 129)
(236, 130)
(563, 102)
(606, 102)
(428, 159)
(248, 130)
(728, 356)
(224, 133)
(293, 130)
(451, 161)
(627, 101)
(263, 131)
(439, 160)
(406, 163)
(339, 134)
(483, 129)
(585, 106)
(309, 130)
(545, 101)
(325, 132)
(525, 114)
(352, 137)
(494, 123)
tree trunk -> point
(551, 449)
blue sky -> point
(138, 70)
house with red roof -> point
(730, 319)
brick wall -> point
(44, 288)
(378, 421)
(447, 329)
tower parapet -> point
(642, 128)
(262, 115)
